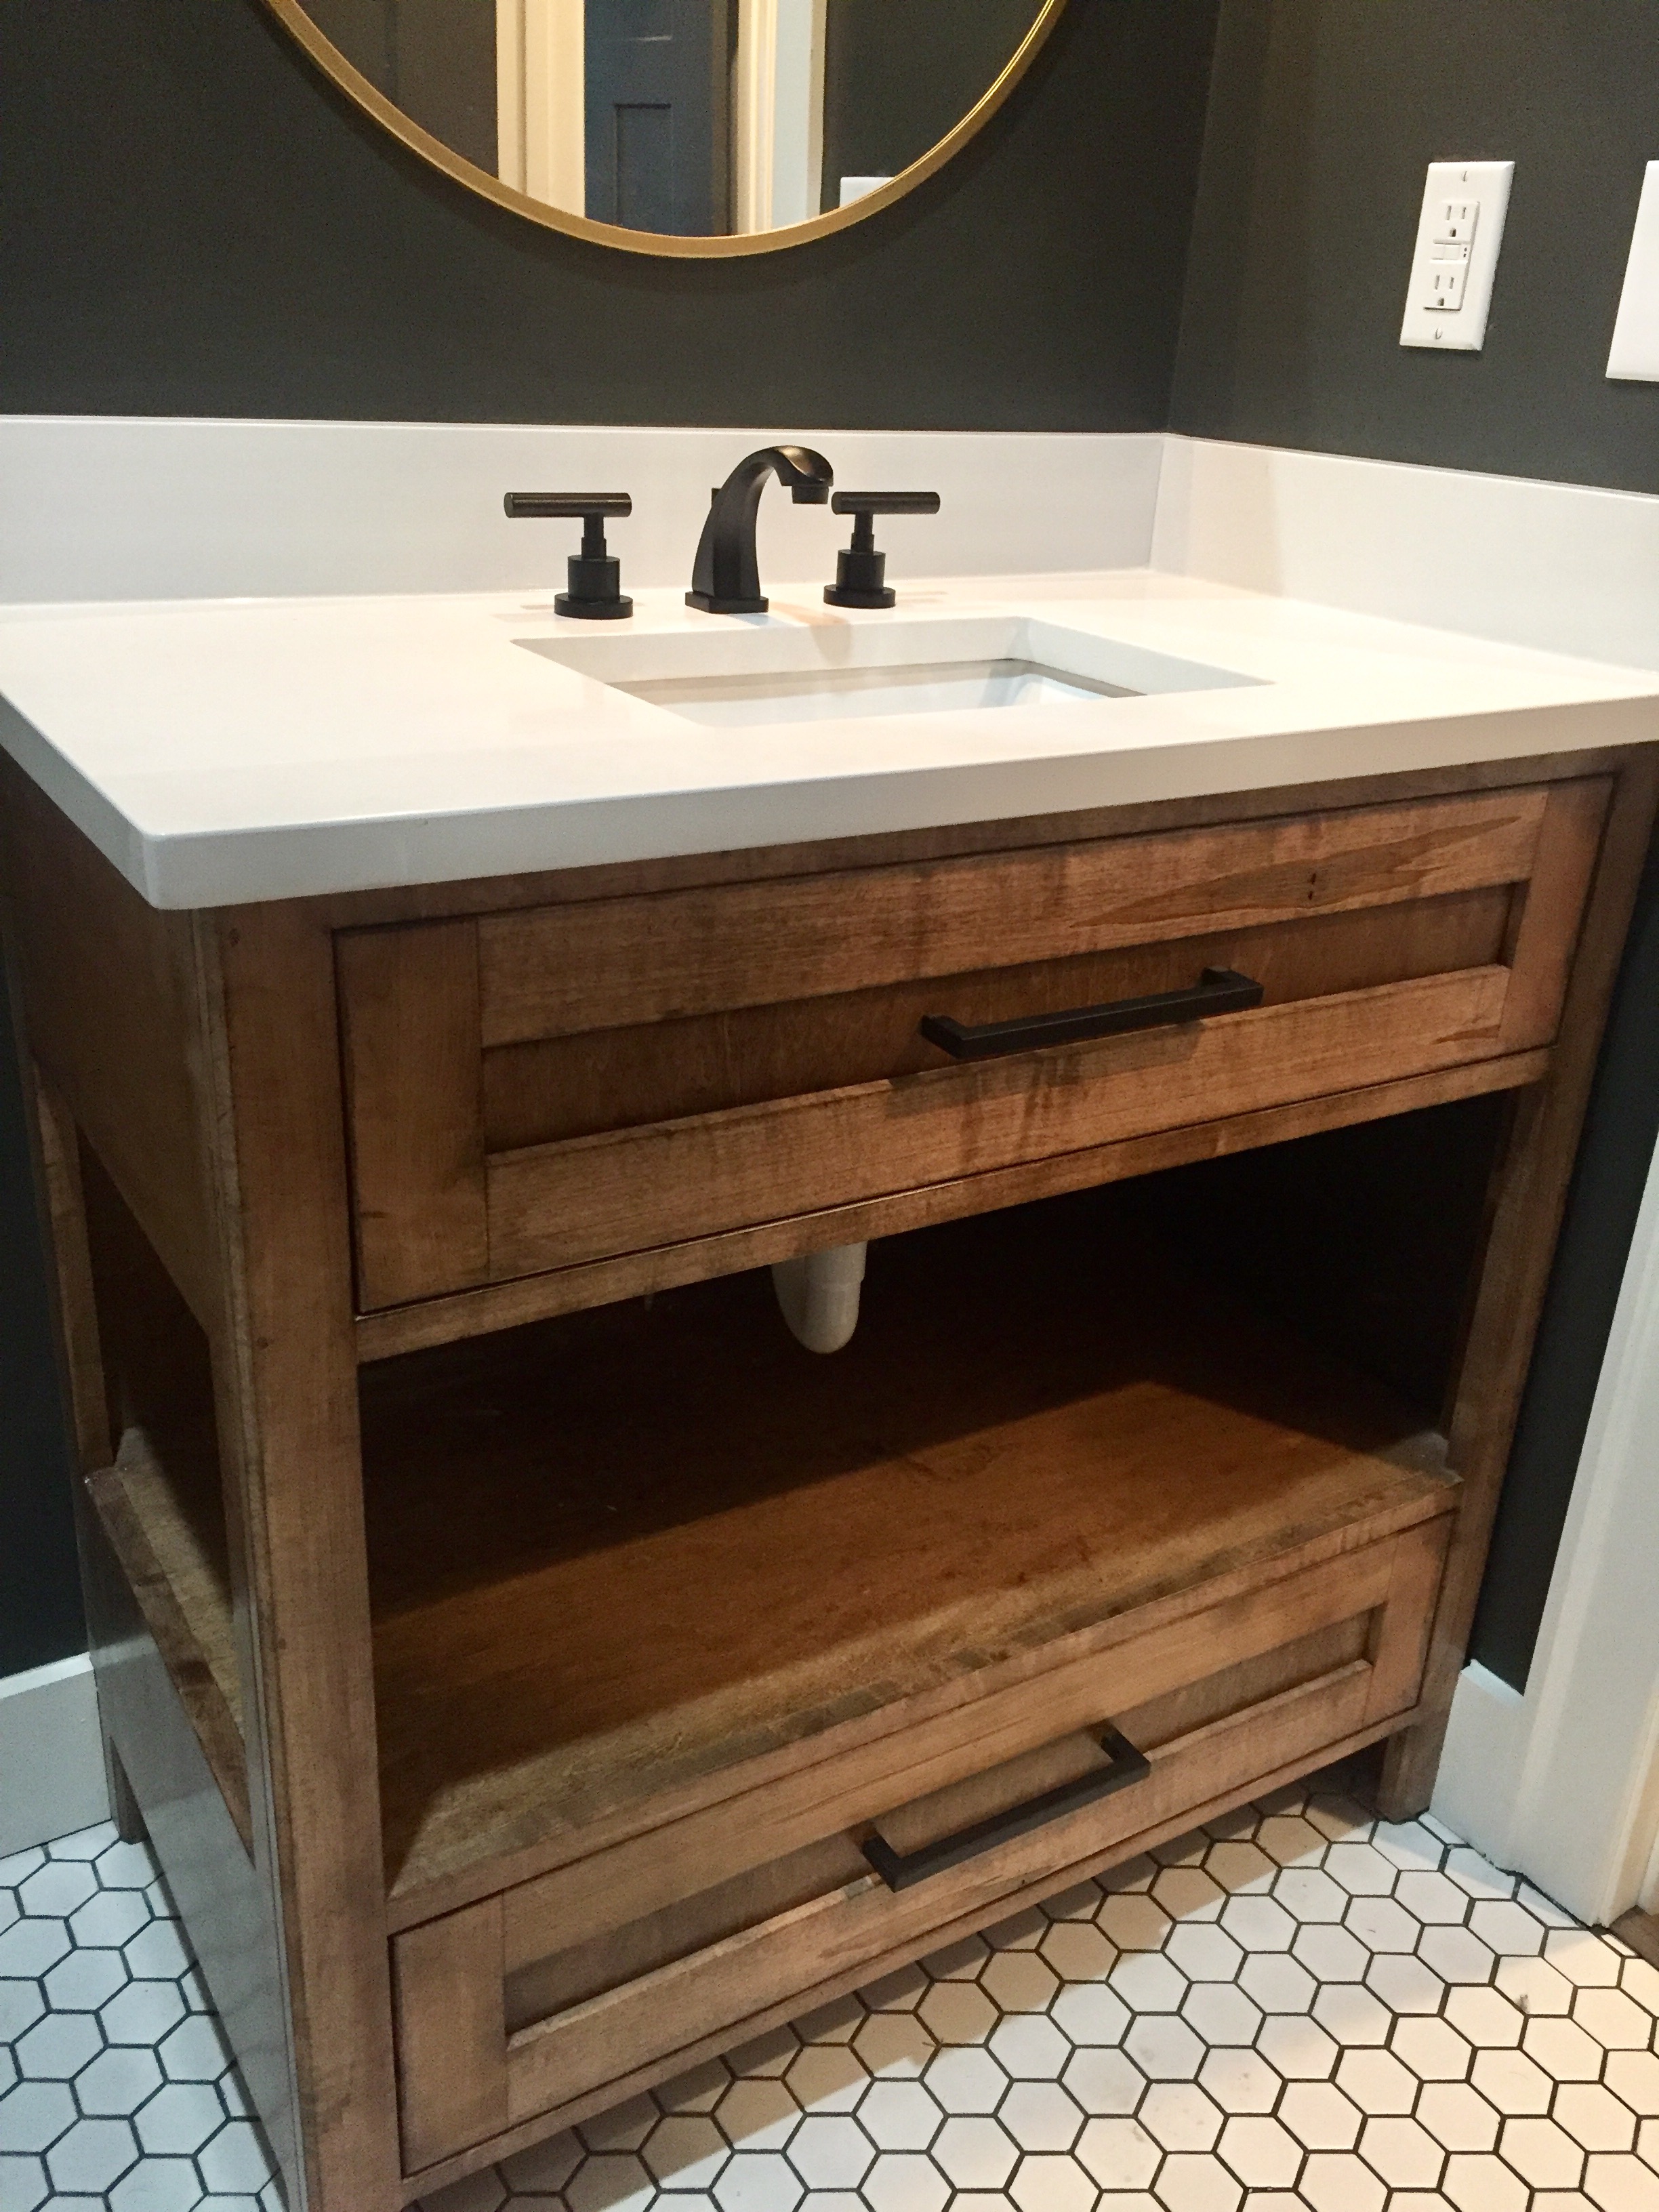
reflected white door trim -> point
(541, 82)
(777, 113)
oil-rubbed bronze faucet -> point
(725, 580)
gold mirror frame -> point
(291, 14)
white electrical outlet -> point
(1458, 236)
(1636, 334)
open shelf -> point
(615, 1554)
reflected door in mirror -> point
(657, 131)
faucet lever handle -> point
(530, 506)
(884, 502)
(595, 592)
(861, 570)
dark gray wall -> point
(899, 74)
(1611, 1176)
(193, 223)
(1324, 115)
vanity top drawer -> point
(543, 1089)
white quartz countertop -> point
(220, 751)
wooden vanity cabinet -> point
(523, 1657)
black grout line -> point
(906, 1995)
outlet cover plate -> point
(1454, 184)
(1635, 352)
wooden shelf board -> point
(617, 1555)
(172, 1558)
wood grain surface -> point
(688, 1542)
(610, 965)
(557, 1205)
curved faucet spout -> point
(725, 580)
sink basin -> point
(829, 695)
(778, 672)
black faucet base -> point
(838, 595)
(616, 609)
(712, 605)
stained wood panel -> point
(1144, 1664)
(387, 1335)
(1551, 909)
(108, 1006)
(285, 1385)
(656, 2019)
(609, 964)
(556, 1205)
(1526, 1201)
(537, 1092)
(410, 1023)
(619, 1078)
(1036, 1429)
(178, 1587)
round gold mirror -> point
(679, 126)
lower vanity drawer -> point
(588, 1982)
(571, 1084)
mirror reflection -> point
(693, 118)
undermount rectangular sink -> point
(834, 693)
(777, 673)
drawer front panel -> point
(614, 964)
(537, 1998)
(539, 1090)
(556, 1206)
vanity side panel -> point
(285, 1383)
(161, 1786)
(1526, 1200)
(221, 1896)
(107, 1000)
(1551, 911)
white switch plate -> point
(1636, 334)
(1458, 236)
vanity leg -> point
(124, 1808)
(1525, 1205)
(285, 1380)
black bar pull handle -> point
(1218, 991)
(902, 1871)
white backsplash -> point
(150, 508)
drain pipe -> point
(819, 1295)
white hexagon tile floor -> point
(1297, 2009)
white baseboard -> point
(97, 507)
(52, 1761)
(1563, 1782)
(1485, 1743)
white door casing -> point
(541, 100)
(777, 112)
